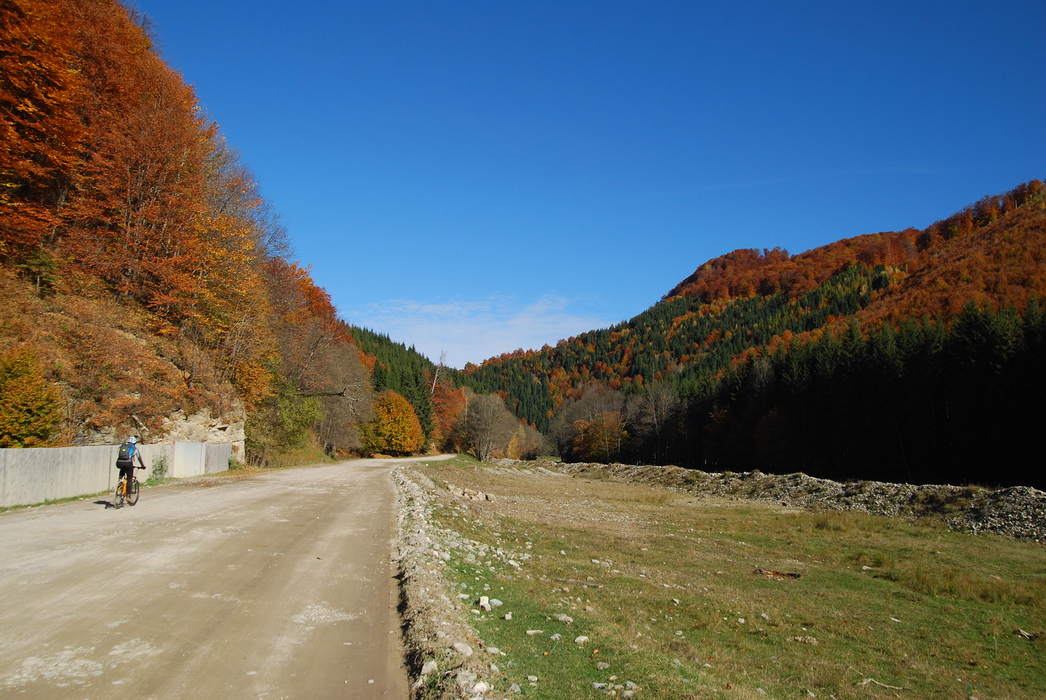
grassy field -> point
(678, 598)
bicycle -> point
(121, 494)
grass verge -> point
(678, 595)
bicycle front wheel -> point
(118, 494)
(132, 497)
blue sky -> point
(476, 177)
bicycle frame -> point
(121, 493)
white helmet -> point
(132, 439)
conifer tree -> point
(30, 406)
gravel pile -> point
(1017, 511)
(445, 655)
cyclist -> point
(125, 459)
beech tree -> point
(490, 425)
(601, 439)
(598, 407)
(650, 417)
(41, 133)
(280, 424)
(526, 443)
(395, 428)
(448, 404)
(345, 396)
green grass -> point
(302, 456)
(673, 602)
(55, 501)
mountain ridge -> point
(950, 310)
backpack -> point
(126, 452)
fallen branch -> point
(866, 681)
(1027, 635)
(775, 574)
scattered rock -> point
(580, 639)
(804, 640)
(469, 494)
(462, 648)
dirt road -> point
(277, 586)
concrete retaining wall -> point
(38, 474)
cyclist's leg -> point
(132, 492)
(122, 492)
(118, 493)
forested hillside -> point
(144, 278)
(910, 355)
(148, 288)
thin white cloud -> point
(473, 331)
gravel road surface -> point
(273, 586)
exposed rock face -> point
(199, 427)
(202, 427)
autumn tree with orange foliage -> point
(448, 404)
(526, 443)
(41, 130)
(395, 428)
(601, 439)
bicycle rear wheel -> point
(132, 496)
(118, 494)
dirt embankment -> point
(440, 643)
